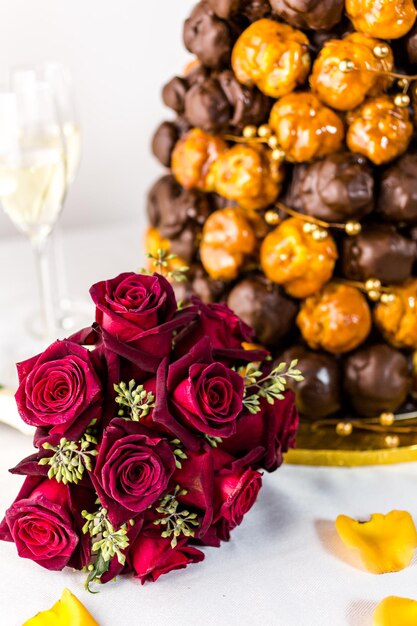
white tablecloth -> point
(284, 566)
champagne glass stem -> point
(40, 248)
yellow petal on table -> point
(386, 543)
(394, 611)
(68, 611)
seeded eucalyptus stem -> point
(106, 543)
(270, 387)
(70, 458)
(136, 399)
(161, 261)
(175, 522)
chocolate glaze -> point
(265, 307)
(397, 200)
(163, 142)
(178, 215)
(309, 14)
(380, 251)
(319, 394)
(252, 9)
(208, 37)
(336, 189)
(377, 379)
(207, 107)
(220, 102)
(165, 138)
(411, 44)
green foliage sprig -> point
(136, 399)
(179, 453)
(270, 387)
(106, 543)
(175, 522)
(213, 441)
(160, 262)
(70, 458)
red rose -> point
(226, 331)
(42, 524)
(196, 394)
(235, 494)
(59, 388)
(151, 556)
(196, 478)
(267, 435)
(132, 469)
(137, 313)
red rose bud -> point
(196, 478)
(41, 524)
(267, 435)
(226, 331)
(59, 389)
(132, 469)
(235, 494)
(151, 556)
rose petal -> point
(68, 611)
(395, 611)
(386, 543)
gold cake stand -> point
(354, 443)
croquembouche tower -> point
(291, 192)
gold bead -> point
(346, 65)
(386, 298)
(278, 155)
(372, 284)
(386, 419)
(402, 100)
(344, 429)
(403, 83)
(264, 131)
(308, 227)
(374, 295)
(353, 228)
(272, 218)
(392, 441)
(381, 51)
(249, 132)
(319, 234)
(273, 142)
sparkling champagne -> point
(32, 191)
(72, 138)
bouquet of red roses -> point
(151, 428)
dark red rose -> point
(59, 388)
(267, 435)
(131, 304)
(132, 469)
(210, 398)
(226, 331)
(137, 315)
(235, 494)
(197, 395)
(151, 556)
(43, 524)
(196, 478)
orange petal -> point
(394, 611)
(68, 611)
(386, 543)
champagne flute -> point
(70, 313)
(33, 179)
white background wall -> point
(120, 52)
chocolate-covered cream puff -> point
(377, 380)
